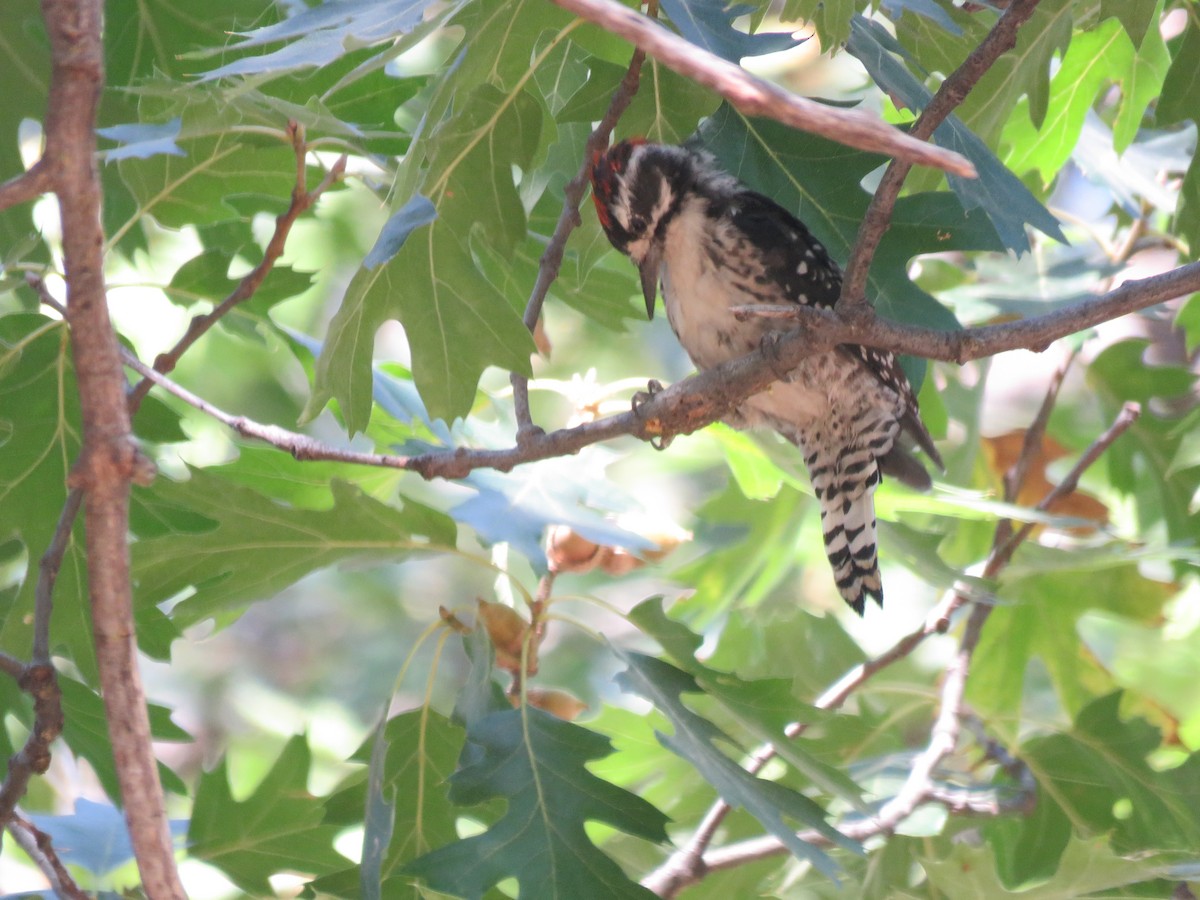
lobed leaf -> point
(538, 764)
(694, 739)
(277, 828)
(254, 546)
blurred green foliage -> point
(296, 617)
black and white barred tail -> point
(845, 485)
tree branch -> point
(41, 683)
(38, 846)
(568, 221)
(300, 446)
(756, 97)
(826, 328)
(302, 200)
(109, 458)
(27, 186)
(951, 93)
(708, 396)
(48, 568)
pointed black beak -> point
(649, 267)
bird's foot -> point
(769, 346)
(651, 425)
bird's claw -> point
(653, 426)
(768, 344)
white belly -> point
(698, 296)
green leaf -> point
(1119, 375)
(239, 159)
(709, 24)
(419, 750)
(144, 40)
(256, 547)
(1007, 203)
(1037, 619)
(1181, 89)
(1094, 60)
(206, 278)
(40, 430)
(538, 764)
(456, 322)
(1135, 16)
(277, 828)
(1098, 778)
(667, 107)
(753, 551)
(40, 439)
(1022, 71)
(1140, 86)
(85, 729)
(757, 476)
(25, 51)
(831, 18)
(1187, 216)
(693, 739)
(321, 35)
(379, 819)
(1087, 868)
(762, 708)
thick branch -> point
(1001, 39)
(708, 396)
(823, 328)
(756, 97)
(109, 458)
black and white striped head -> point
(638, 188)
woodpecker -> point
(714, 244)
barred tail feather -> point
(845, 490)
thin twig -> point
(1015, 477)
(302, 200)
(568, 221)
(41, 683)
(48, 568)
(27, 186)
(11, 666)
(756, 97)
(38, 846)
(951, 93)
(298, 445)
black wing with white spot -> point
(797, 262)
(791, 256)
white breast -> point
(698, 293)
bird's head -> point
(637, 188)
